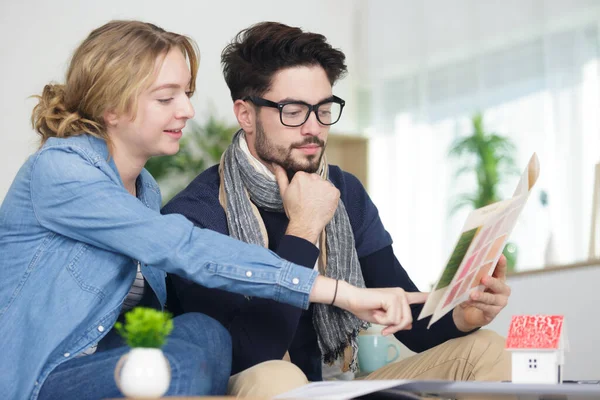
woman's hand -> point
(385, 306)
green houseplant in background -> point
(144, 371)
(200, 147)
(488, 157)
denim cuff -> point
(295, 284)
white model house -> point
(537, 343)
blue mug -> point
(373, 352)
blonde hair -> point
(109, 70)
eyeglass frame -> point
(262, 102)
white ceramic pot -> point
(143, 373)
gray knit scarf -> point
(242, 190)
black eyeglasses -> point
(296, 113)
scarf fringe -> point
(330, 355)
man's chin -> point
(309, 169)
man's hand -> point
(483, 307)
(309, 202)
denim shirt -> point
(69, 235)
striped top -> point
(136, 292)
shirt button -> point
(249, 274)
(295, 281)
(101, 328)
(36, 383)
(67, 354)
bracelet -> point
(335, 293)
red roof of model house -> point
(541, 332)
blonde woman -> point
(82, 239)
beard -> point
(282, 156)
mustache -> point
(310, 140)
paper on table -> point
(479, 247)
(338, 390)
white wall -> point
(573, 293)
(39, 37)
(401, 35)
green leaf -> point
(145, 327)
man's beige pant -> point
(479, 356)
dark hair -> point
(254, 56)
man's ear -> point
(245, 114)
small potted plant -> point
(144, 372)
